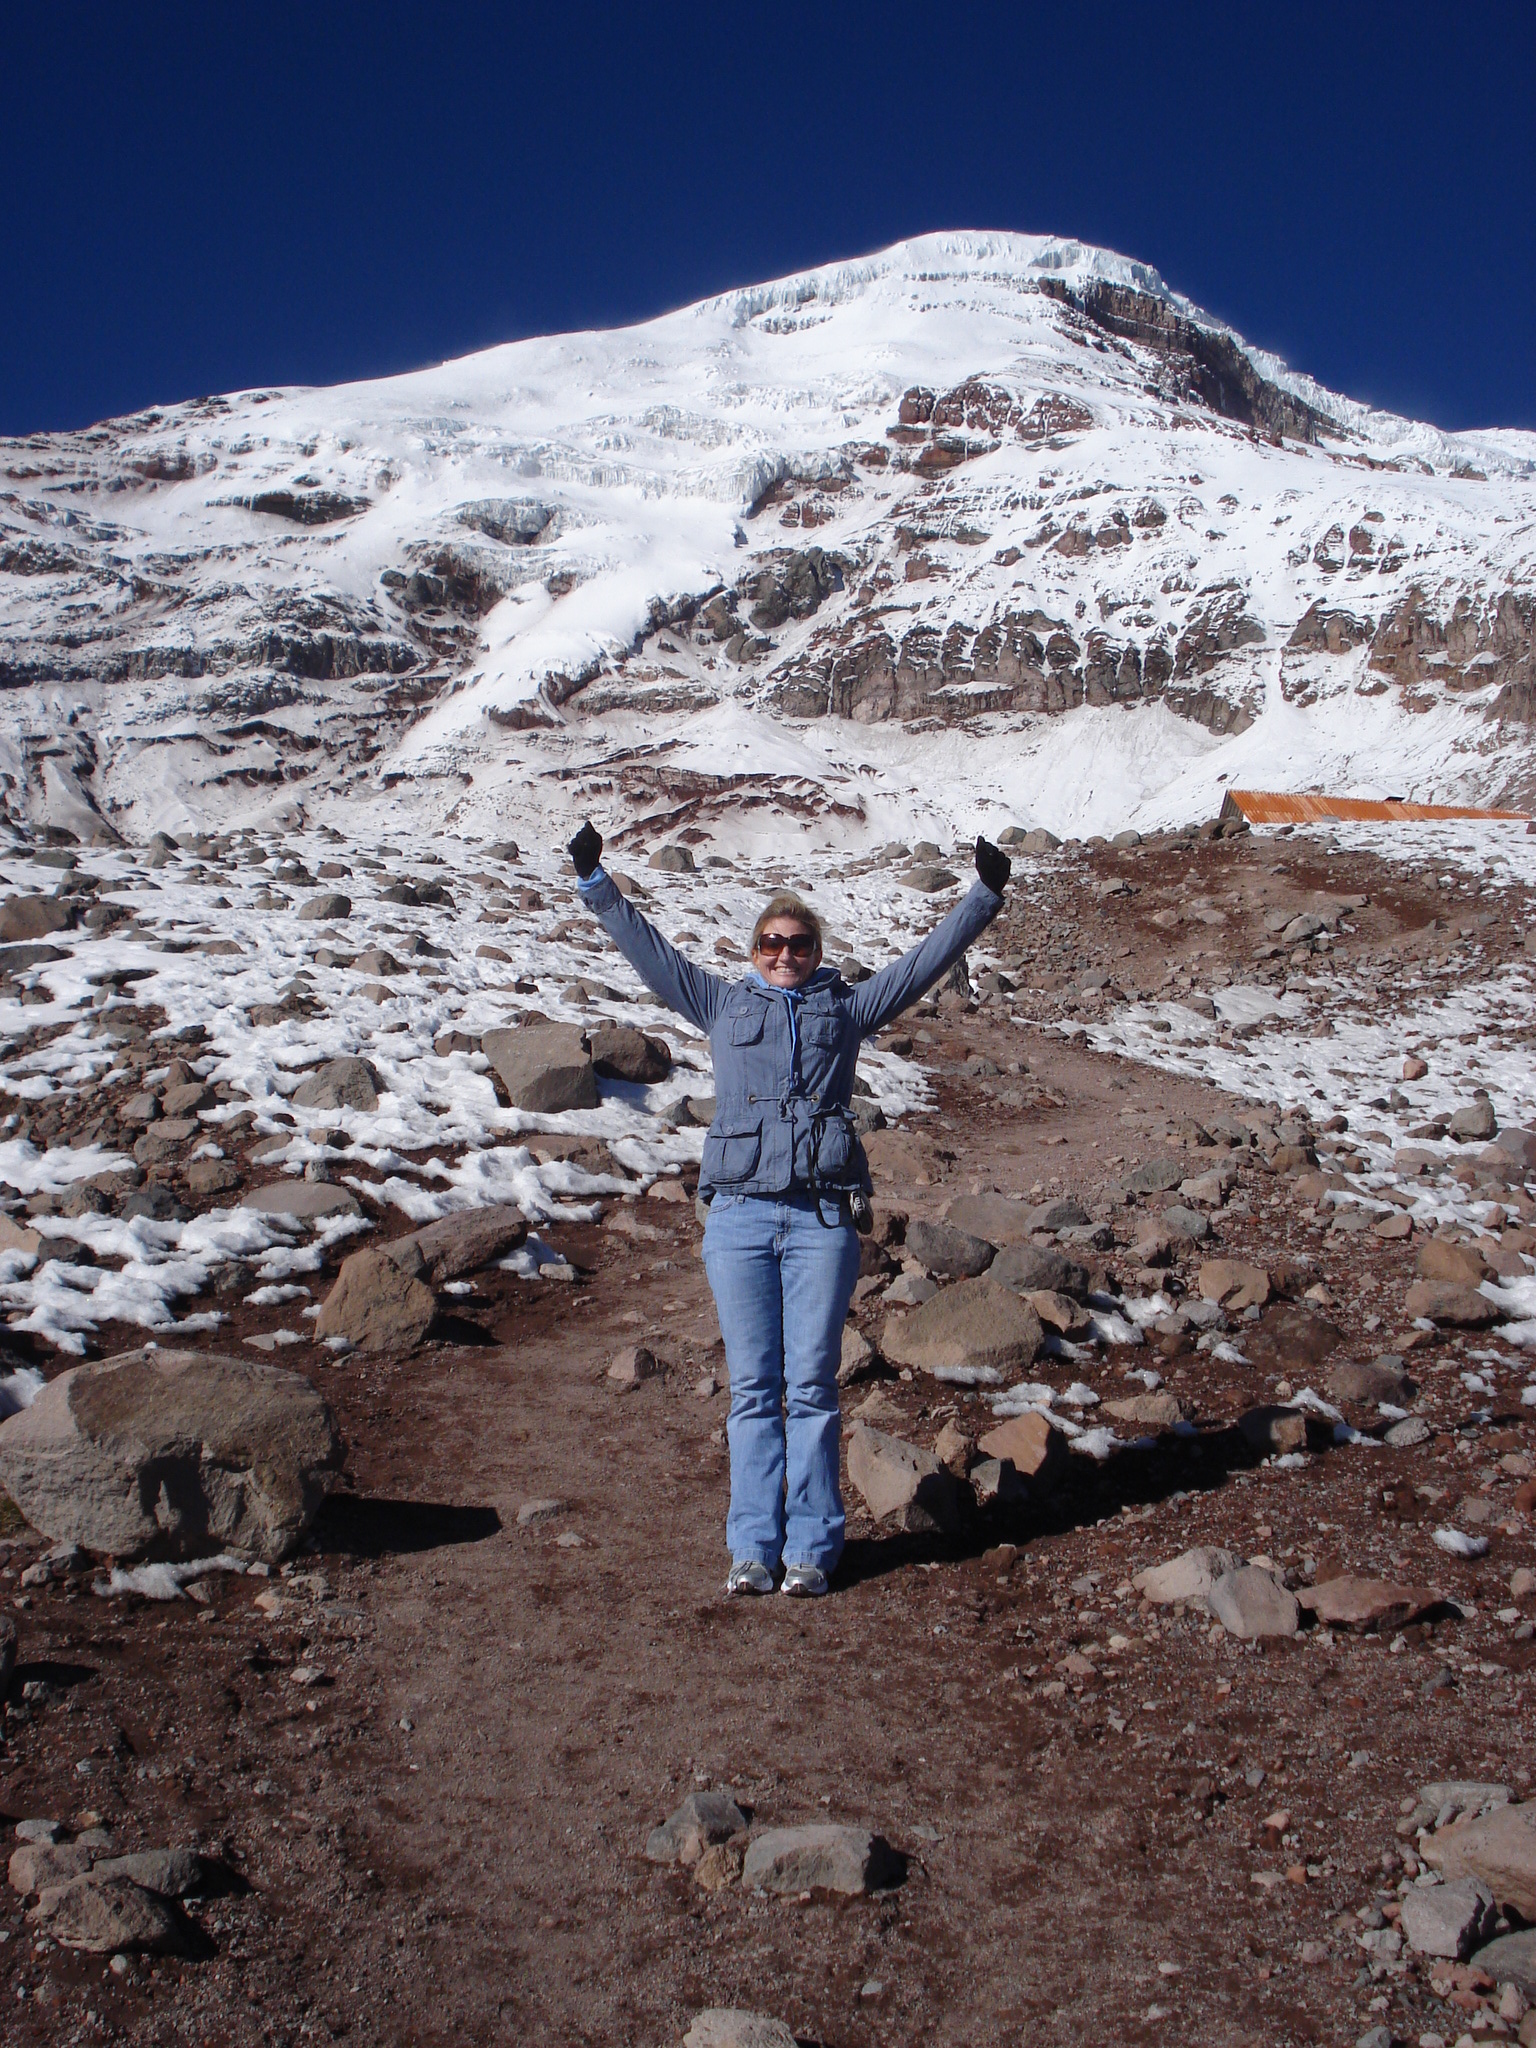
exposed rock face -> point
(624, 1054)
(172, 1454)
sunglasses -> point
(799, 947)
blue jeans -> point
(782, 1278)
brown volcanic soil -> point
(443, 1842)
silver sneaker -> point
(748, 1576)
(804, 1582)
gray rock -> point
(381, 1300)
(1354, 1380)
(544, 1067)
(468, 1239)
(1512, 1960)
(856, 1356)
(1404, 1435)
(672, 860)
(946, 1252)
(703, 1818)
(1497, 1848)
(348, 1083)
(1476, 1120)
(108, 1917)
(531, 1512)
(1520, 1146)
(1375, 2037)
(996, 1218)
(909, 1290)
(34, 917)
(900, 1482)
(1061, 1214)
(970, 1333)
(1155, 1177)
(1188, 1224)
(1251, 1602)
(40, 1831)
(297, 1198)
(820, 1858)
(326, 907)
(7, 1651)
(733, 2027)
(1448, 1919)
(162, 1453)
(1188, 1577)
(172, 1873)
(36, 1866)
(1034, 1269)
(928, 880)
(623, 1054)
(997, 1482)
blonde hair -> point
(787, 904)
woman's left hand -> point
(993, 866)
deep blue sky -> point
(197, 198)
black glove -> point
(586, 850)
(993, 867)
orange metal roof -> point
(1270, 807)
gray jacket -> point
(784, 1065)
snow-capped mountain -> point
(985, 528)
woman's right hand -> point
(586, 850)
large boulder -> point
(1498, 1848)
(1448, 1919)
(946, 1251)
(1463, 1265)
(971, 1333)
(621, 1053)
(348, 1083)
(900, 1482)
(172, 1454)
(466, 1240)
(1251, 1602)
(328, 906)
(544, 1067)
(1367, 1604)
(820, 1858)
(381, 1300)
(997, 1218)
(109, 1916)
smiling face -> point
(787, 952)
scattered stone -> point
(1148, 1411)
(820, 1858)
(38, 1865)
(1354, 1380)
(349, 1083)
(954, 1449)
(1033, 1269)
(1414, 1069)
(1250, 1602)
(858, 1354)
(1234, 1285)
(1511, 1960)
(381, 1300)
(672, 860)
(1276, 1431)
(703, 1819)
(1405, 1435)
(1177, 1221)
(1498, 1848)
(161, 1453)
(948, 1252)
(324, 908)
(212, 1176)
(1060, 1214)
(632, 1365)
(468, 1239)
(15, 1237)
(1036, 1451)
(1155, 1177)
(909, 1290)
(534, 1511)
(928, 880)
(624, 1054)
(1441, 1258)
(39, 1831)
(1475, 1121)
(1447, 1919)
(1187, 1578)
(108, 1917)
(971, 1332)
(299, 1198)
(1443, 1302)
(1291, 1339)
(172, 1873)
(1059, 1311)
(733, 2027)
(900, 1482)
(1367, 1604)
(994, 1218)
(544, 1067)
(34, 917)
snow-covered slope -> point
(983, 528)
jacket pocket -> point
(747, 1026)
(832, 1148)
(732, 1155)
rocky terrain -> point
(367, 1670)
